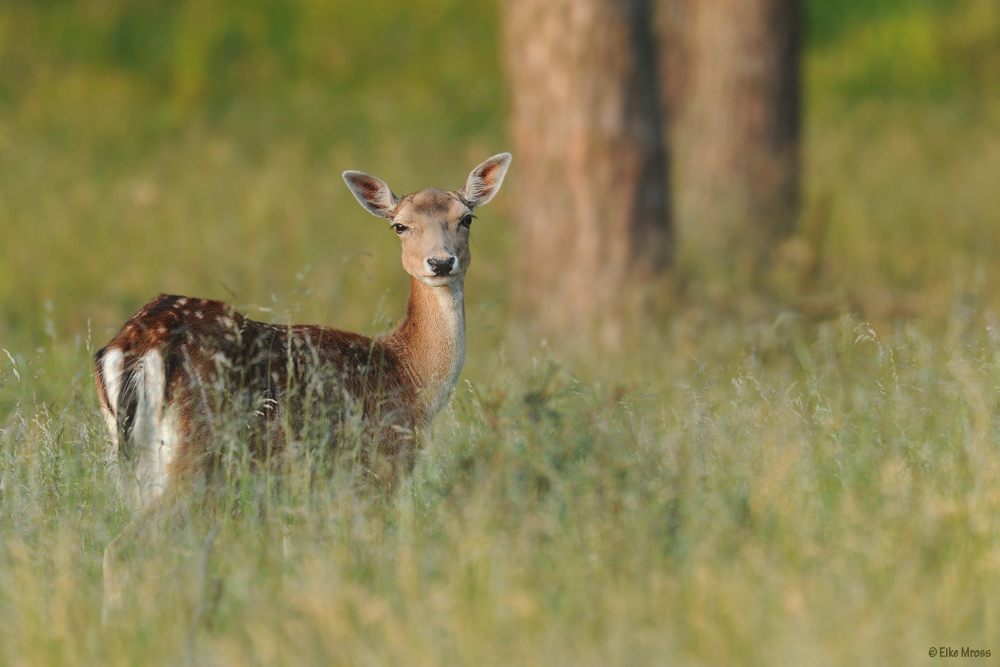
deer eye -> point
(467, 220)
(399, 228)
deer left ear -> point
(485, 180)
(372, 193)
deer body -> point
(185, 376)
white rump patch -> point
(150, 386)
(154, 433)
(111, 373)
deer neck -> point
(431, 339)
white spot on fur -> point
(180, 302)
(199, 314)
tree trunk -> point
(733, 89)
(590, 169)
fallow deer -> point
(182, 372)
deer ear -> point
(372, 193)
(485, 180)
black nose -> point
(441, 267)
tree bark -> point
(732, 77)
(590, 168)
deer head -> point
(432, 224)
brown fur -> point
(209, 349)
(194, 375)
(227, 377)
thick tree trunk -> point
(590, 167)
(733, 88)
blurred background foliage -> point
(168, 145)
(903, 48)
(206, 55)
(152, 146)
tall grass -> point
(804, 477)
(829, 496)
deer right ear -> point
(372, 193)
(485, 180)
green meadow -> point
(803, 475)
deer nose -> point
(441, 267)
